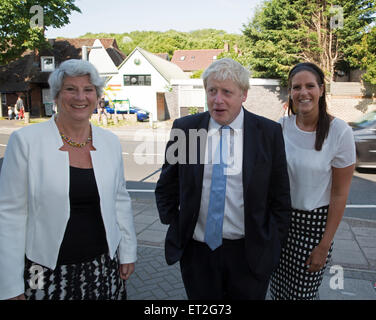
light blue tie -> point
(214, 221)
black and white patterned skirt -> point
(291, 280)
(98, 279)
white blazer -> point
(34, 200)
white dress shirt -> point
(233, 222)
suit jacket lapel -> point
(198, 169)
(250, 147)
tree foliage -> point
(17, 34)
(285, 32)
(364, 56)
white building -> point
(141, 75)
(100, 58)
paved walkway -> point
(354, 257)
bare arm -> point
(341, 181)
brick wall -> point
(350, 109)
(266, 101)
(352, 89)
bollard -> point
(27, 117)
(114, 116)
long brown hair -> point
(323, 123)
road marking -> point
(361, 206)
(3, 145)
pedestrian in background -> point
(10, 113)
(66, 223)
(320, 153)
(101, 110)
(19, 106)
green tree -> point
(364, 56)
(284, 32)
(197, 74)
(22, 28)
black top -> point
(85, 235)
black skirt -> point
(291, 280)
(98, 279)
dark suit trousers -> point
(220, 274)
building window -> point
(47, 64)
(214, 57)
(182, 58)
(137, 80)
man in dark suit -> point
(227, 225)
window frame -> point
(143, 80)
(42, 64)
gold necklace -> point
(73, 143)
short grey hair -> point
(228, 69)
(74, 68)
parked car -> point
(141, 114)
(365, 140)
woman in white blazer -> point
(66, 223)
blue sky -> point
(120, 16)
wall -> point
(349, 109)
(352, 89)
(350, 100)
(265, 97)
(171, 99)
(266, 100)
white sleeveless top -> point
(310, 171)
